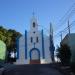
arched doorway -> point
(34, 56)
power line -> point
(67, 15)
(65, 29)
(61, 34)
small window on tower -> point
(37, 39)
(34, 24)
(31, 39)
(34, 32)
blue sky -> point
(16, 14)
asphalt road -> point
(31, 70)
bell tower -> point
(34, 25)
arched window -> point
(31, 39)
(34, 24)
(37, 40)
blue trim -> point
(17, 49)
(33, 50)
(25, 44)
(43, 53)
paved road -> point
(31, 70)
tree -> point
(64, 54)
(11, 41)
(9, 37)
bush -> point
(73, 67)
(64, 54)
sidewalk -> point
(1, 70)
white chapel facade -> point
(34, 46)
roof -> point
(68, 37)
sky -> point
(16, 14)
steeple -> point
(34, 25)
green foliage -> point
(9, 37)
(64, 54)
(2, 50)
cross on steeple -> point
(33, 14)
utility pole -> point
(61, 35)
(68, 31)
(68, 27)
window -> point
(37, 39)
(34, 32)
(31, 39)
(34, 24)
